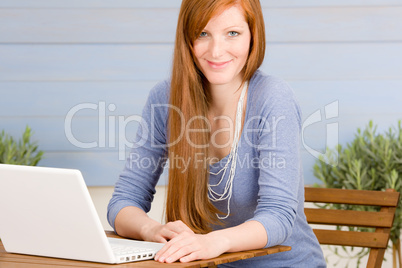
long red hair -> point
(187, 194)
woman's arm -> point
(145, 163)
(134, 223)
(188, 247)
(247, 236)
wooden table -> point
(10, 260)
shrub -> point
(371, 161)
(22, 152)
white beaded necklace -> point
(232, 157)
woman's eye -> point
(203, 34)
(233, 33)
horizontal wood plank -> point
(379, 61)
(96, 25)
(66, 63)
(102, 167)
(349, 217)
(93, 132)
(92, 4)
(59, 99)
(354, 239)
(155, 25)
(356, 98)
(353, 197)
(176, 3)
(98, 169)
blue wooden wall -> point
(104, 56)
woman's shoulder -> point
(160, 92)
(270, 93)
(269, 86)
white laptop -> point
(49, 212)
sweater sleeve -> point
(279, 162)
(144, 165)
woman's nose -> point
(217, 48)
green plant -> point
(22, 152)
(371, 161)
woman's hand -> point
(133, 222)
(188, 246)
(183, 244)
(164, 232)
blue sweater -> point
(268, 185)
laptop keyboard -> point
(123, 250)
(126, 253)
(126, 250)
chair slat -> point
(353, 197)
(354, 239)
(349, 217)
(382, 220)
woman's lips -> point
(218, 65)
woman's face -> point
(223, 46)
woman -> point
(231, 135)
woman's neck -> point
(224, 98)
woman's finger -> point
(190, 257)
(178, 247)
(178, 227)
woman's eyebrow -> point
(226, 28)
(234, 26)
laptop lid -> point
(49, 212)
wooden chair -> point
(382, 220)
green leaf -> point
(19, 152)
(371, 161)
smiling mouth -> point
(218, 65)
